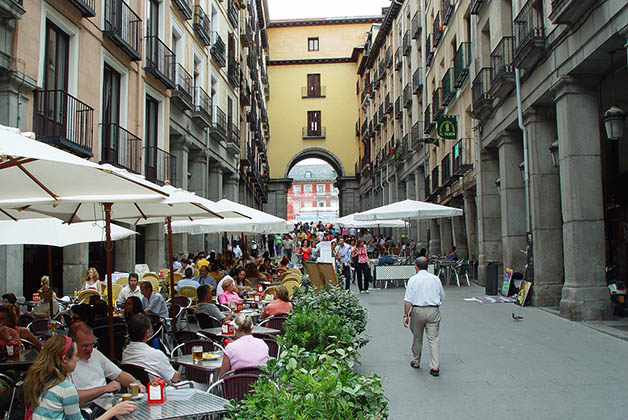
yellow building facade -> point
(313, 107)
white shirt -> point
(92, 372)
(141, 354)
(424, 289)
(126, 292)
(237, 252)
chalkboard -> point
(506, 284)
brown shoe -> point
(415, 364)
(434, 372)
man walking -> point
(424, 294)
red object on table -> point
(156, 391)
(227, 329)
(35, 297)
(260, 288)
(13, 350)
(239, 306)
(257, 298)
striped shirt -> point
(59, 402)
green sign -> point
(430, 140)
(447, 127)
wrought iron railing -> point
(185, 83)
(435, 180)
(388, 106)
(407, 47)
(462, 159)
(436, 103)
(437, 29)
(529, 25)
(414, 133)
(233, 72)
(202, 103)
(160, 61)
(398, 109)
(448, 9)
(407, 96)
(447, 83)
(124, 27)
(398, 59)
(320, 132)
(501, 59)
(476, 5)
(87, 7)
(61, 119)
(313, 91)
(428, 124)
(445, 164)
(219, 120)
(121, 147)
(462, 62)
(232, 13)
(160, 166)
(429, 52)
(185, 7)
(217, 49)
(417, 81)
(480, 87)
(202, 25)
(416, 26)
(233, 135)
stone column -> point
(348, 187)
(489, 213)
(179, 148)
(198, 184)
(545, 210)
(446, 237)
(459, 233)
(124, 252)
(215, 181)
(421, 225)
(513, 204)
(434, 247)
(278, 197)
(410, 194)
(12, 269)
(155, 246)
(470, 217)
(230, 187)
(75, 265)
(584, 295)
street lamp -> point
(554, 151)
(614, 120)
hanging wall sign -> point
(430, 140)
(447, 127)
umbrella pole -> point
(50, 282)
(171, 272)
(109, 274)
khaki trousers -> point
(428, 319)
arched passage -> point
(316, 152)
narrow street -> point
(543, 367)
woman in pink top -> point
(362, 266)
(246, 350)
(229, 294)
(281, 304)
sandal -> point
(415, 364)
(434, 372)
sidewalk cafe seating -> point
(185, 303)
(461, 269)
(291, 285)
(274, 322)
(85, 295)
(197, 374)
(273, 346)
(234, 386)
(207, 321)
(122, 281)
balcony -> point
(462, 159)
(86, 7)
(62, 120)
(448, 9)
(502, 70)
(218, 126)
(436, 189)
(160, 61)
(388, 106)
(12, 9)
(437, 103)
(233, 139)
(476, 5)
(377, 120)
(313, 133)
(446, 178)
(428, 124)
(529, 35)
(121, 148)
(449, 91)
(313, 91)
(388, 60)
(481, 100)
(416, 26)
(371, 130)
(398, 59)
(233, 73)
(217, 49)
(185, 7)
(407, 96)
(569, 12)
(417, 81)
(183, 94)
(246, 156)
(415, 136)
(429, 52)
(245, 95)
(407, 47)
(437, 30)
(123, 27)
(201, 25)
(232, 13)
(202, 112)
(382, 114)
(376, 80)
(398, 109)
(160, 166)
(364, 128)
(245, 33)
(427, 185)
(462, 62)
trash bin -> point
(491, 278)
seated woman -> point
(281, 304)
(132, 306)
(229, 293)
(8, 318)
(266, 266)
(246, 350)
(92, 281)
(253, 274)
(48, 393)
(284, 263)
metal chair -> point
(138, 372)
(24, 320)
(39, 326)
(273, 347)
(207, 321)
(28, 345)
(184, 302)
(15, 402)
(181, 336)
(234, 386)
(462, 269)
(275, 322)
(252, 370)
(159, 329)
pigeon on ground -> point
(516, 317)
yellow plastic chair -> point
(116, 288)
(84, 295)
(150, 275)
(122, 281)
(189, 291)
(196, 272)
(270, 291)
(154, 281)
(293, 278)
(291, 285)
(177, 277)
(295, 271)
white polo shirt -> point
(141, 354)
(424, 289)
(92, 372)
(126, 292)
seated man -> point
(141, 354)
(131, 289)
(206, 306)
(42, 309)
(204, 277)
(188, 280)
(93, 368)
(100, 325)
(153, 303)
(84, 313)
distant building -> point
(313, 196)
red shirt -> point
(277, 307)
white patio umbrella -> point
(54, 232)
(349, 221)
(408, 209)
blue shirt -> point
(206, 280)
(156, 305)
(344, 252)
(187, 282)
(59, 402)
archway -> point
(318, 153)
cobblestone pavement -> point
(543, 367)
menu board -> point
(506, 283)
(325, 252)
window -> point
(313, 123)
(110, 114)
(313, 85)
(321, 204)
(308, 175)
(312, 44)
(307, 188)
(151, 137)
(320, 188)
(296, 189)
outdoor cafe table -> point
(26, 359)
(186, 404)
(253, 313)
(217, 331)
(187, 360)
